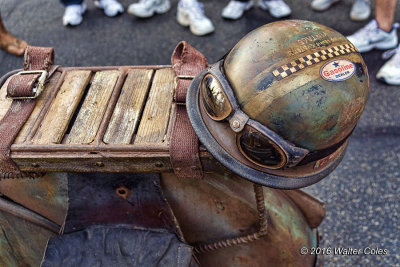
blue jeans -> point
(71, 2)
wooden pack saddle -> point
(100, 119)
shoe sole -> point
(377, 46)
(185, 21)
(247, 8)
(390, 82)
(158, 10)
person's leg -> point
(10, 43)
(390, 71)
(380, 33)
(385, 14)
(71, 2)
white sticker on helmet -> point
(337, 70)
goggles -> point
(256, 142)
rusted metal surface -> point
(130, 199)
(222, 206)
(47, 196)
(22, 243)
(301, 107)
(27, 215)
(262, 227)
(314, 210)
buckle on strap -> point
(37, 90)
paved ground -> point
(363, 194)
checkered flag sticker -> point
(303, 62)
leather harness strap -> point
(23, 88)
(184, 147)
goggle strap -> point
(320, 154)
(238, 120)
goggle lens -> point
(260, 150)
(215, 101)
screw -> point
(235, 124)
(99, 164)
(159, 164)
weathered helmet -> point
(279, 108)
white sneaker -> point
(147, 8)
(360, 10)
(277, 8)
(111, 7)
(235, 9)
(370, 37)
(73, 14)
(322, 5)
(191, 13)
(390, 71)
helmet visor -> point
(260, 149)
(215, 101)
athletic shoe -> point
(73, 14)
(322, 5)
(390, 72)
(111, 7)
(191, 13)
(235, 9)
(370, 37)
(360, 10)
(277, 8)
(147, 8)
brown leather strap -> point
(184, 147)
(21, 85)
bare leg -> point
(10, 43)
(385, 14)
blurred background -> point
(362, 194)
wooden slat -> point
(130, 103)
(41, 100)
(154, 122)
(91, 113)
(5, 103)
(56, 121)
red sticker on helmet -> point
(337, 70)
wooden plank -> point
(56, 121)
(91, 114)
(41, 100)
(154, 122)
(5, 103)
(130, 103)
